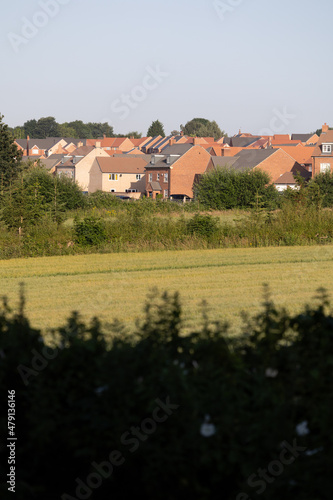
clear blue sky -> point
(239, 62)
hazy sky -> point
(258, 65)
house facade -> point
(171, 175)
(119, 175)
(322, 157)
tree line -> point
(48, 127)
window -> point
(113, 177)
(35, 151)
(131, 190)
(166, 193)
(327, 148)
(112, 190)
(138, 177)
(165, 177)
(150, 177)
(325, 167)
(157, 177)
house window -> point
(113, 177)
(157, 177)
(166, 193)
(35, 151)
(325, 167)
(165, 177)
(327, 148)
(131, 191)
(138, 177)
(150, 177)
(112, 190)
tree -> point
(156, 128)
(10, 156)
(43, 128)
(201, 127)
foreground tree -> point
(156, 128)
(10, 156)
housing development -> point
(167, 167)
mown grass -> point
(116, 285)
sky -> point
(259, 66)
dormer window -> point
(327, 148)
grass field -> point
(116, 285)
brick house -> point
(322, 156)
(273, 161)
(172, 173)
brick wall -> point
(183, 170)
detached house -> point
(322, 156)
(118, 174)
(172, 173)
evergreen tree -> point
(156, 128)
(10, 156)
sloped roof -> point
(176, 149)
(324, 137)
(301, 154)
(223, 161)
(250, 158)
(301, 137)
(122, 164)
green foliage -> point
(323, 184)
(89, 231)
(155, 129)
(202, 225)
(36, 194)
(236, 405)
(201, 127)
(10, 157)
(227, 189)
(48, 127)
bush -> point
(89, 231)
(202, 225)
(227, 189)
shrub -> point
(89, 231)
(226, 189)
(202, 225)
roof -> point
(177, 149)
(156, 186)
(161, 161)
(250, 158)
(241, 142)
(50, 162)
(223, 161)
(301, 154)
(324, 137)
(82, 151)
(286, 178)
(122, 164)
(40, 143)
(301, 137)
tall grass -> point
(149, 225)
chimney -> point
(79, 144)
(324, 128)
(28, 139)
(104, 136)
(98, 144)
(196, 141)
(182, 133)
(171, 141)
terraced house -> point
(322, 157)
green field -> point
(116, 285)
